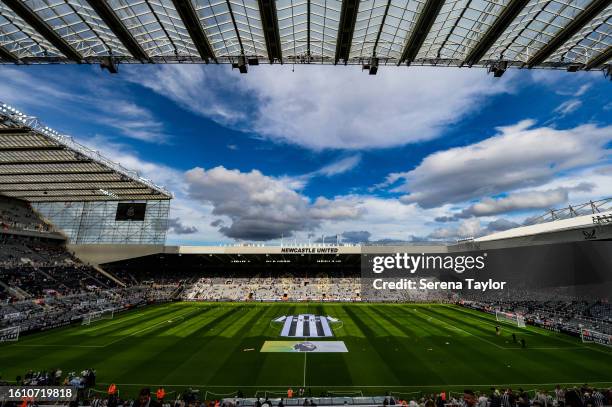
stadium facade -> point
(87, 197)
(564, 34)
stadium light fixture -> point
(241, 64)
(371, 66)
(110, 64)
(498, 68)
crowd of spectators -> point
(583, 396)
(284, 288)
(18, 215)
(55, 311)
(112, 396)
(568, 315)
(33, 268)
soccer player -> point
(497, 330)
(513, 337)
(523, 344)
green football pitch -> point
(400, 348)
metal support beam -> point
(38, 148)
(194, 27)
(592, 10)
(22, 182)
(79, 192)
(348, 17)
(269, 21)
(22, 10)
(308, 30)
(599, 60)
(502, 22)
(44, 162)
(14, 130)
(93, 198)
(231, 12)
(421, 29)
(113, 22)
(32, 190)
(6, 55)
(382, 25)
(96, 172)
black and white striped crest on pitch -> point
(305, 326)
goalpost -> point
(9, 334)
(510, 317)
(98, 315)
(588, 335)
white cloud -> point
(176, 226)
(471, 228)
(519, 156)
(569, 106)
(583, 89)
(260, 207)
(76, 96)
(320, 107)
(467, 228)
(383, 218)
(339, 167)
(523, 200)
(132, 121)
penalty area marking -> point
(493, 323)
(105, 345)
(505, 347)
(149, 327)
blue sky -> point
(311, 151)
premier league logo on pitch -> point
(305, 347)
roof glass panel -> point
(78, 24)
(535, 26)
(21, 39)
(591, 41)
(398, 26)
(156, 26)
(324, 24)
(459, 27)
(370, 16)
(248, 21)
(216, 19)
(293, 27)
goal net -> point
(510, 317)
(588, 335)
(9, 334)
(98, 315)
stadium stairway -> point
(108, 275)
(15, 291)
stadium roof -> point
(567, 34)
(38, 164)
